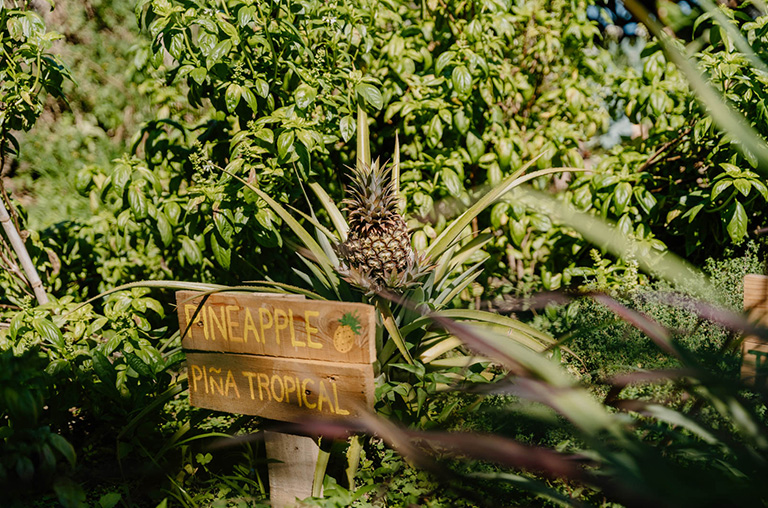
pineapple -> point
(377, 254)
(344, 335)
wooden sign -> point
(280, 326)
(754, 352)
(278, 356)
(278, 388)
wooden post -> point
(290, 479)
(283, 358)
(754, 350)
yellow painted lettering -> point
(197, 375)
(189, 311)
(311, 329)
(290, 387)
(232, 323)
(264, 313)
(294, 342)
(250, 376)
(220, 321)
(275, 377)
(320, 397)
(305, 392)
(263, 382)
(231, 383)
(212, 380)
(249, 326)
(278, 326)
(339, 411)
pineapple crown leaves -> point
(352, 320)
(372, 186)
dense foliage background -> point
(121, 127)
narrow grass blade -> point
(333, 211)
(446, 264)
(388, 319)
(363, 139)
(320, 468)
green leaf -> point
(435, 131)
(219, 51)
(164, 229)
(199, 74)
(347, 127)
(250, 99)
(304, 96)
(222, 253)
(462, 81)
(452, 182)
(371, 95)
(191, 251)
(443, 60)
(223, 222)
(737, 224)
(104, 368)
(232, 96)
(761, 188)
(121, 176)
(49, 332)
(70, 494)
(645, 199)
(262, 88)
(658, 102)
(284, 142)
(111, 499)
(64, 447)
(719, 187)
(139, 365)
(138, 202)
(743, 186)
(621, 196)
(475, 147)
(499, 215)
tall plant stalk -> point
(21, 252)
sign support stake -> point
(291, 478)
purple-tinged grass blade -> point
(656, 332)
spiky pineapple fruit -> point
(377, 254)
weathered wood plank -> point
(756, 298)
(273, 325)
(276, 388)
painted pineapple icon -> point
(344, 335)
